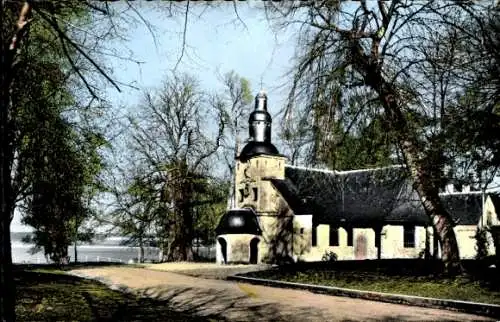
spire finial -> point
(261, 101)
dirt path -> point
(244, 302)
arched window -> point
(350, 236)
(409, 236)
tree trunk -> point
(8, 50)
(7, 287)
(7, 293)
(441, 219)
(435, 244)
(182, 233)
(180, 245)
(420, 170)
(427, 249)
(75, 251)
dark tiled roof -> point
(465, 208)
(238, 221)
(410, 211)
(290, 193)
(367, 197)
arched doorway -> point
(223, 249)
(254, 251)
(360, 249)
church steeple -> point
(260, 130)
(260, 121)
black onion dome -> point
(253, 148)
(259, 129)
(239, 221)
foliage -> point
(235, 105)
(329, 256)
(134, 214)
(57, 163)
(207, 215)
(338, 134)
(481, 238)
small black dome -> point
(239, 221)
(253, 148)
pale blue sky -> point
(216, 43)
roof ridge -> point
(488, 192)
(311, 169)
(345, 171)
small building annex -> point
(286, 212)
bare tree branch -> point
(184, 35)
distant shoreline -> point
(99, 252)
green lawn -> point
(49, 294)
(478, 287)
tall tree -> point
(55, 161)
(235, 108)
(383, 48)
(175, 150)
(17, 18)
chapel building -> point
(288, 213)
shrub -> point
(481, 243)
(329, 256)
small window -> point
(255, 196)
(242, 195)
(350, 237)
(314, 237)
(334, 236)
(409, 236)
(302, 231)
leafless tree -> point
(175, 144)
(235, 104)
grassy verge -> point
(483, 288)
(48, 294)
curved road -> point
(235, 301)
